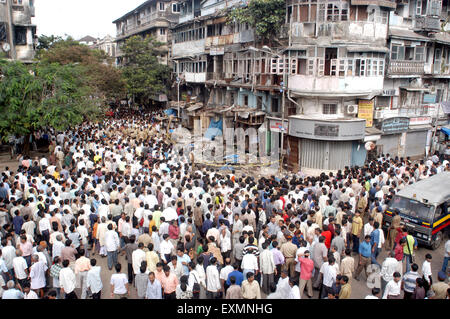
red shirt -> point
(327, 235)
(398, 252)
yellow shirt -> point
(346, 291)
(357, 225)
(56, 175)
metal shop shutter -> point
(415, 143)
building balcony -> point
(214, 76)
(191, 77)
(21, 15)
(428, 23)
(406, 68)
(382, 3)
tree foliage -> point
(105, 79)
(265, 16)
(43, 95)
(145, 77)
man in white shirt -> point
(268, 268)
(112, 245)
(119, 284)
(249, 264)
(224, 272)
(388, 268)
(20, 266)
(376, 293)
(393, 287)
(166, 248)
(213, 286)
(94, 280)
(67, 281)
(58, 245)
(329, 271)
(137, 257)
(426, 268)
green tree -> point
(46, 42)
(100, 73)
(145, 77)
(265, 16)
(43, 95)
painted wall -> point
(307, 83)
(188, 48)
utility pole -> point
(283, 104)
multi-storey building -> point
(154, 18)
(107, 45)
(354, 71)
(17, 32)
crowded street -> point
(113, 210)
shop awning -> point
(367, 49)
(194, 107)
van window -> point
(441, 211)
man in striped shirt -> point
(409, 281)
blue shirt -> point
(153, 290)
(375, 237)
(237, 275)
(185, 258)
(17, 222)
(206, 225)
(365, 249)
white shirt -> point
(329, 274)
(212, 279)
(37, 274)
(137, 257)
(368, 229)
(30, 295)
(426, 270)
(112, 242)
(67, 279)
(94, 280)
(119, 281)
(267, 262)
(294, 293)
(20, 265)
(225, 271)
(392, 288)
(249, 262)
(166, 248)
(389, 266)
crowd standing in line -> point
(120, 188)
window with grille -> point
(329, 108)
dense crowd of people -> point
(120, 188)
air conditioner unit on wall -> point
(351, 109)
(378, 115)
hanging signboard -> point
(365, 111)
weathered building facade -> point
(354, 71)
(17, 32)
(153, 18)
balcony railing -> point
(215, 76)
(427, 23)
(406, 67)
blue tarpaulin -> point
(170, 112)
(446, 130)
(215, 129)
